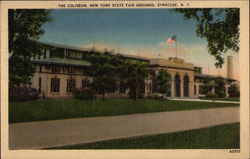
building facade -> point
(60, 69)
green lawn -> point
(236, 99)
(218, 137)
(50, 109)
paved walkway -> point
(204, 100)
(35, 135)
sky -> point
(141, 32)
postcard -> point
(124, 79)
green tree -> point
(220, 89)
(134, 74)
(163, 82)
(104, 73)
(24, 29)
(219, 26)
(207, 85)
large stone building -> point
(60, 69)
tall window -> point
(85, 83)
(40, 85)
(71, 85)
(186, 86)
(55, 85)
(177, 86)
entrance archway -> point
(186, 86)
(177, 82)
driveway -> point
(43, 134)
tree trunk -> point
(136, 94)
(162, 96)
(103, 96)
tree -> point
(219, 26)
(104, 73)
(220, 89)
(134, 74)
(207, 85)
(163, 82)
(24, 29)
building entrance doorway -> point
(177, 86)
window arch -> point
(177, 82)
(186, 86)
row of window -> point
(71, 85)
(58, 69)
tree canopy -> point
(163, 82)
(134, 73)
(207, 86)
(219, 88)
(104, 73)
(219, 26)
(25, 26)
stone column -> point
(172, 85)
(181, 85)
(197, 89)
(49, 85)
(191, 85)
(227, 95)
(63, 84)
(213, 90)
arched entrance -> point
(186, 86)
(177, 82)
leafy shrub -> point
(154, 96)
(22, 94)
(233, 91)
(220, 89)
(210, 94)
(84, 93)
(140, 94)
(221, 93)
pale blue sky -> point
(134, 31)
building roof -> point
(176, 63)
(91, 49)
(211, 76)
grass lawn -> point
(51, 109)
(236, 99)
(218, 137)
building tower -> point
(230, 67)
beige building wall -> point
(46, 83)
(173, 66)
(176, 66)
